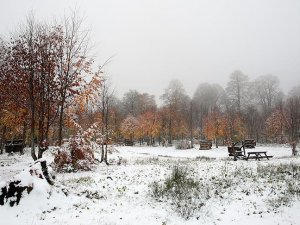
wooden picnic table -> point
(257, 155)
(14, 145)
(205, 145)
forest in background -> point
(50, 92)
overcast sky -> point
(195, 41)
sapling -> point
(294, 146)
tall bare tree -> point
(105, 102)
(267, 91)
(206, 98)
(293, 110)
(136, 103)
(237, 90)
(73, 64)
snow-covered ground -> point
(120, 193)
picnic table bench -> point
(257, 155)
(128, 142)
(240, 152)
(15, 145)
(205, 145)
(236, 151)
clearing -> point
(225, 191)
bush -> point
(279, 201)
(284, 179)
(279, 171)
(183, 144)
(77, 154)
(184, 193)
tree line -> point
(50, 91)
(255, 109)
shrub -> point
(80, 181)
(63, 160)
(77, 154)
(183, 144)
(147, 161)
(284, 179)
(279, 171)
(279, 201)
(184, 193)
(204, 158)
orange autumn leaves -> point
(146, 125)
(218, 125)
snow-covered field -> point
(236, 192)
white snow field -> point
(232, 192)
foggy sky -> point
(195, 41)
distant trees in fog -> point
(45, 97)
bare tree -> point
(266, 89)
(206, 98)
(136, 103)
(254, 122)
(73, 64)
(237, 90)
(131, 103)
(2, 93)
(293, 110)
(104, 105)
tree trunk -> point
(32, 130)
(191, 125)
(105, 157)
(60, 125)
(41, 151)
(46, 172)
(32, 125)
(102, 153)
(2, 139)
(170, 132)
(24, 137)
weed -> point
(183, 144)
(147, 161)
(184, 193)
(282, 200)
(87, 180)
(204, 158)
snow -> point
(120, 194)
(218, 153)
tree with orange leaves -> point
(276, 125)
(129, 127)
(235, 127)
(215, 126)
(148, 126)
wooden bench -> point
(205, 145)
(233, 150)
(236, 151)
(257, 155)
(128, 142)
(16, 145)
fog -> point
(152, 42)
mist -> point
(153, 42)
